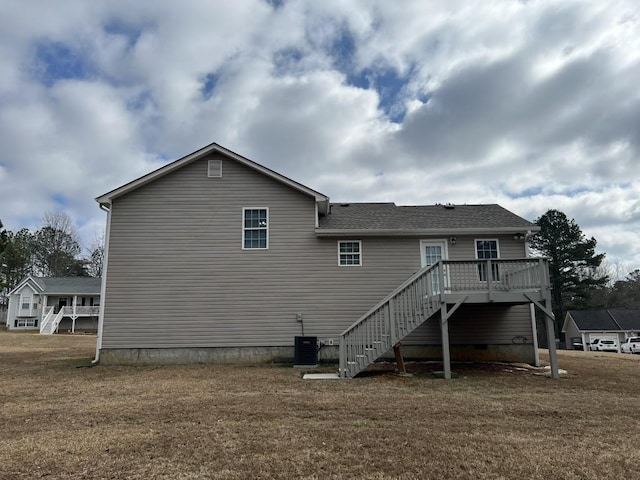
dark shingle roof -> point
(627, 319)
(69, 285)
(389, 216)
(593, 320)
(620, 320)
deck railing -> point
(421, 296)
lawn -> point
(239, 422)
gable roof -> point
(627, 319)
(105, 199)
(593, 320)
(605, 320)
(380, 218)
(62, 285)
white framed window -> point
(255, 228)
(350, 253)
(25, 302)
(487, 249)
(26, 322)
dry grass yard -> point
(236, 422)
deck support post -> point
(444, 332)
(397, 350)
(549, 318)
(445, 313)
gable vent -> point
(215, 169)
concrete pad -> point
(320, 376)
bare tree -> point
(56, 246)
(95, 258)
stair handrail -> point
(56, 321)
(393, 294)
(46, 320)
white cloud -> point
(533, 105)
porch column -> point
(74, 314)
(45, 300)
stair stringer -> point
(391, 320)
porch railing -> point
(422, 295)
(70, 311)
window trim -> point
(244, 229)
(360, 257)
(25, 299)
(495, 275)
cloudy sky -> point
(532, 104)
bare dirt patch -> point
(236, 422)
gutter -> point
(103, 286)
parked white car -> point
(603, 345)
(631, 345)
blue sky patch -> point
(343, 50)
(56, 61)
(389, 86)
(209, 85)
(61, 200)
(529, 192)
(276, 3)
(131, 33)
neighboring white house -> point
(53, 304)
(584, 326)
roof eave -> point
(339, 232)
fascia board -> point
(321, 232)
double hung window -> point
(350, 253)
(255, 229)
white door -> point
(432, 251)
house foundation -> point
(521, 353)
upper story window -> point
(485, 250)
(350, 253)
(25, 302)
(255, 229)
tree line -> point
(579, 276)
(51, 251)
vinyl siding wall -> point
(178, 276)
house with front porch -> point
(52, 304)
(216, 258)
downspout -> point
(103, 284)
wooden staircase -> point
(395, 317)
(442, 288)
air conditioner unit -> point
(305, 352)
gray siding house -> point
(53, 304)
(215, 258)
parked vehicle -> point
(631, 345)
(576, 343)
(604, 345)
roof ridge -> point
(614, 319)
